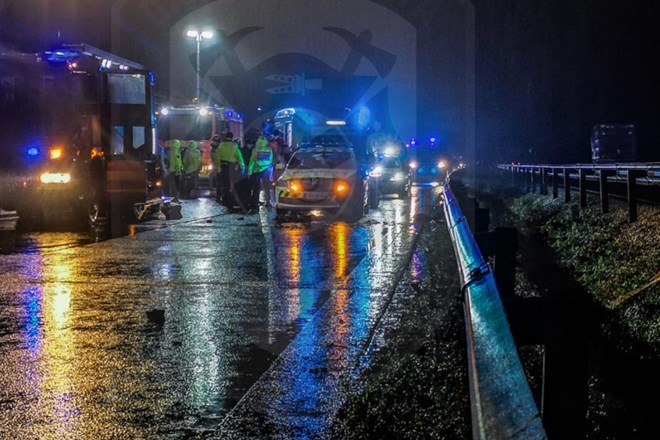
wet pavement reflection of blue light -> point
(306, 383)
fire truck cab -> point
(199, 124)
(96, 158)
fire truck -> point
(199, 124)
(90, 139)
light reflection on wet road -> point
(81, 360)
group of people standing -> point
(182, 168)
(243, 172)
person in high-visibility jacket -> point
(229, 162)
(192, 164)
(261, 160)
(174, 168)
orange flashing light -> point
(56, 153)
(341, 187)
(96, 152)
(295, 186)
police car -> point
(323, 180)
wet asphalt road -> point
(264, 324)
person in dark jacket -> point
(243, 185)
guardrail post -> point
(583, 186)
(518, 177)
(544, 181)
(555, 183)
(562, 326)
(478, 218)
(501, 246)
(536, 180)
(632, 193)
(567, 185)
(604, 190)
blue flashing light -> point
(433, 140)
(61, 55)
(239, 116)
(32, 151)
(152, 78)
(413, 142)
(229, 114)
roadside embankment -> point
(612, 261)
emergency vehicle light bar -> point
(69, 52)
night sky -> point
(546, 71)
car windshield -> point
(308, 160)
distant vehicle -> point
(321, 180)
(614, 143)
(392, 176)
(428, 164)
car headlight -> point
(55, 177)
(412, 164)
(442, 164)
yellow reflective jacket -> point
(261, 157)
(174, 162)
(192, 158)
(228, 151)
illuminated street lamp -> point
(199, 36)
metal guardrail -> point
(502, 404)
(602, 178)
(644, 173)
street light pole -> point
(199, 36)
